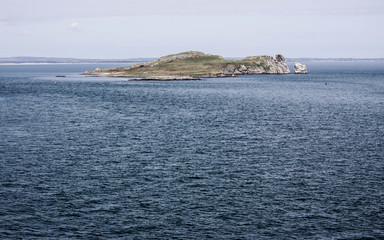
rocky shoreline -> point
(166, 78)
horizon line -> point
(130, 58)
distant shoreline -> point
(335, 59)
(52, 63)
(128, 62)
(53, 60)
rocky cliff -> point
(197, 64)
(263, 65)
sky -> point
(152, 28)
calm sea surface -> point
(253, 157)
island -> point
(194, 65)
(300, 68)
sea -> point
(246, 157)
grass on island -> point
(199, 65)
(191, 66)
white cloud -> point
(7, 20)
(25, 33)
(4, 18)
(75, 27)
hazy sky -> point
(152, 28)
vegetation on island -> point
(195, 64)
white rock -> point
(243, 68)
(300, 68)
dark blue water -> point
(254, 157)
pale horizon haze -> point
(153, 28)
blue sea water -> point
(250, 157)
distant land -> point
(303, 59)
(53, 60)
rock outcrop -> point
(300, 68)
(263, 65)
(195, 65)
